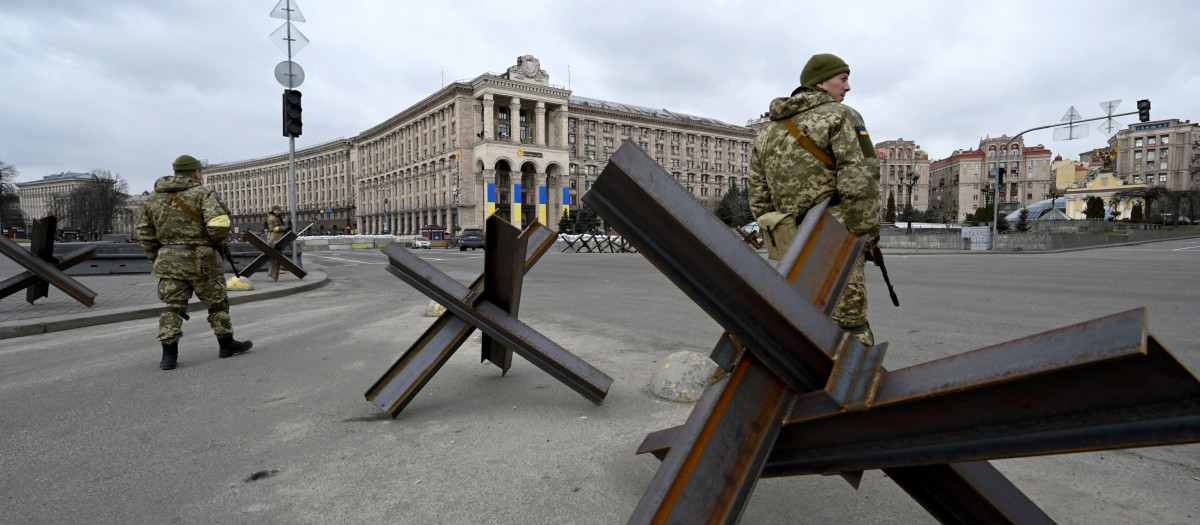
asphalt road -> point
(92, 432)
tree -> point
(587, 220)
(92, 206)
(566, 223)
(1135, 215)
(1094, 208)
(10, 211)
(725, 207)
(1023, 220)
(741, 208)
(891, 209)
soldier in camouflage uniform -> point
(182, 229)
(786, 177)
(275, 231)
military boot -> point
(170, 354)
(230, 348)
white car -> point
(422, 242)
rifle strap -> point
(809, 145)
(187, 210)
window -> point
(573, 184)
(1162, 154)
(589, 140)
(609, 127)
(523, 115)
(1164, 140)
(503, 130)
(1162, 165)
(691, 138)
(503, 113)
(690, 164)
(571, 123)
(674, 163)
(591, 155)
(1137, 143)
(691, 152)
(1162, 177)
(658, 148)
(591, 171)
(1137, 155)
(1028, 196)
(1137, 167)
(574, 168)
(1031, 164)
(1150, 155)
(571, 138)
(1030, 184)
(626, 130)
(523, 133)
(1013, 165)
(608, 142)
(1151, 142)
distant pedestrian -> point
(817, 148)
(180, 228)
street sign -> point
(290, 74)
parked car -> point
(470, 238)
(421, 242)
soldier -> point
(275, 231)
(182, 228)
(788, 176)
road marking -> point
(341, 259)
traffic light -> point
(1144, 110)
(292, 125)
(1000, 176)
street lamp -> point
(912, 181)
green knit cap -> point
(187, 163)
(276, 208)
(822, 67)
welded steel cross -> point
(274, 252)
(42, 268)
(490, 304)
(804, 397)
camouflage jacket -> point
(164, 222)
(787, 178)
(275, 228)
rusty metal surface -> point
(970, 493)
(45, 272)
(259, 262)
(497, 323)
(1097, 385)
(759, 308)
(274, 254)
(730, 432)
(41, 245)
(503, 275)
(25, 279)
(401, 383)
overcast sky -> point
(128, 85)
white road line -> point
(341, 259)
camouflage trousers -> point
(176, 292)
(851, 311)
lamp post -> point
(912, 177)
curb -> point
(46, 325)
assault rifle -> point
(876, 256)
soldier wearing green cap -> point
(815, 148)
(182, 228)
(276, 229)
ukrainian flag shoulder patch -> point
(862, 130)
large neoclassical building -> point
(512, 144)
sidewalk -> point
(121, 298)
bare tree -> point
(93, 206)
(10, 211)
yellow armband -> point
(220, 221)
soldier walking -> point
(816, 148)
(182, 229)
(275, 231)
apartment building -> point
(904, 175)
(966, 179)
(1159, 153)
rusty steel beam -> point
(45, 272)
(274, 254)
(25, 279)
(41, 244)
(761, 310)
(494, 321)
(258, 262)
(503, 274)
(404, 380)
(1098, 385)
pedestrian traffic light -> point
(1144, 110)
(1000, 175)
(292, 125)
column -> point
(514, 121)
(539, 129)
(562, 128)
(515, 180)
(489, 192)
(542, 210)
(489, 125)
(566, 196)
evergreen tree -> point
(587, 220)
(566, 222)
(1136, 214)
(725, 207)
(891, 209)
(1001, 223)
(741, 208)
(1094, 208)
(1023, 220)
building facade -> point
(904, 175)
(1103, 185)
(511, 144)
(1159, 153)
(41, 198)
(967, 179)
